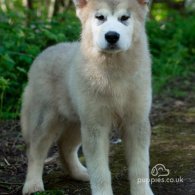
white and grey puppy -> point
(76, 90)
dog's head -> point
(109, 25)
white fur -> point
(112, 23)
(76, 90)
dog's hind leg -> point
(69, 144)
(42, 129)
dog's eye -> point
(100, 17)
(124, 18)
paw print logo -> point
(160, 171)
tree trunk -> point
(30, 4)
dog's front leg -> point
(95, 142)
(137, 141)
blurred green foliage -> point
(172, 44)
(171, 38)
(20, 44)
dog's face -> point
(112, 31)
(111, 22)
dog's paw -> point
(149, 191)
(32, 186)
(81, 175)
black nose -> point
(112, 37)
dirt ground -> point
(173, 145)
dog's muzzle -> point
(112, 37)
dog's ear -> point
(80, 3)
(144, 2)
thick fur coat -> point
(76, 90)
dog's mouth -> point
(112, 48)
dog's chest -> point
(111, 85)
(120, 93)
(115, 92)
